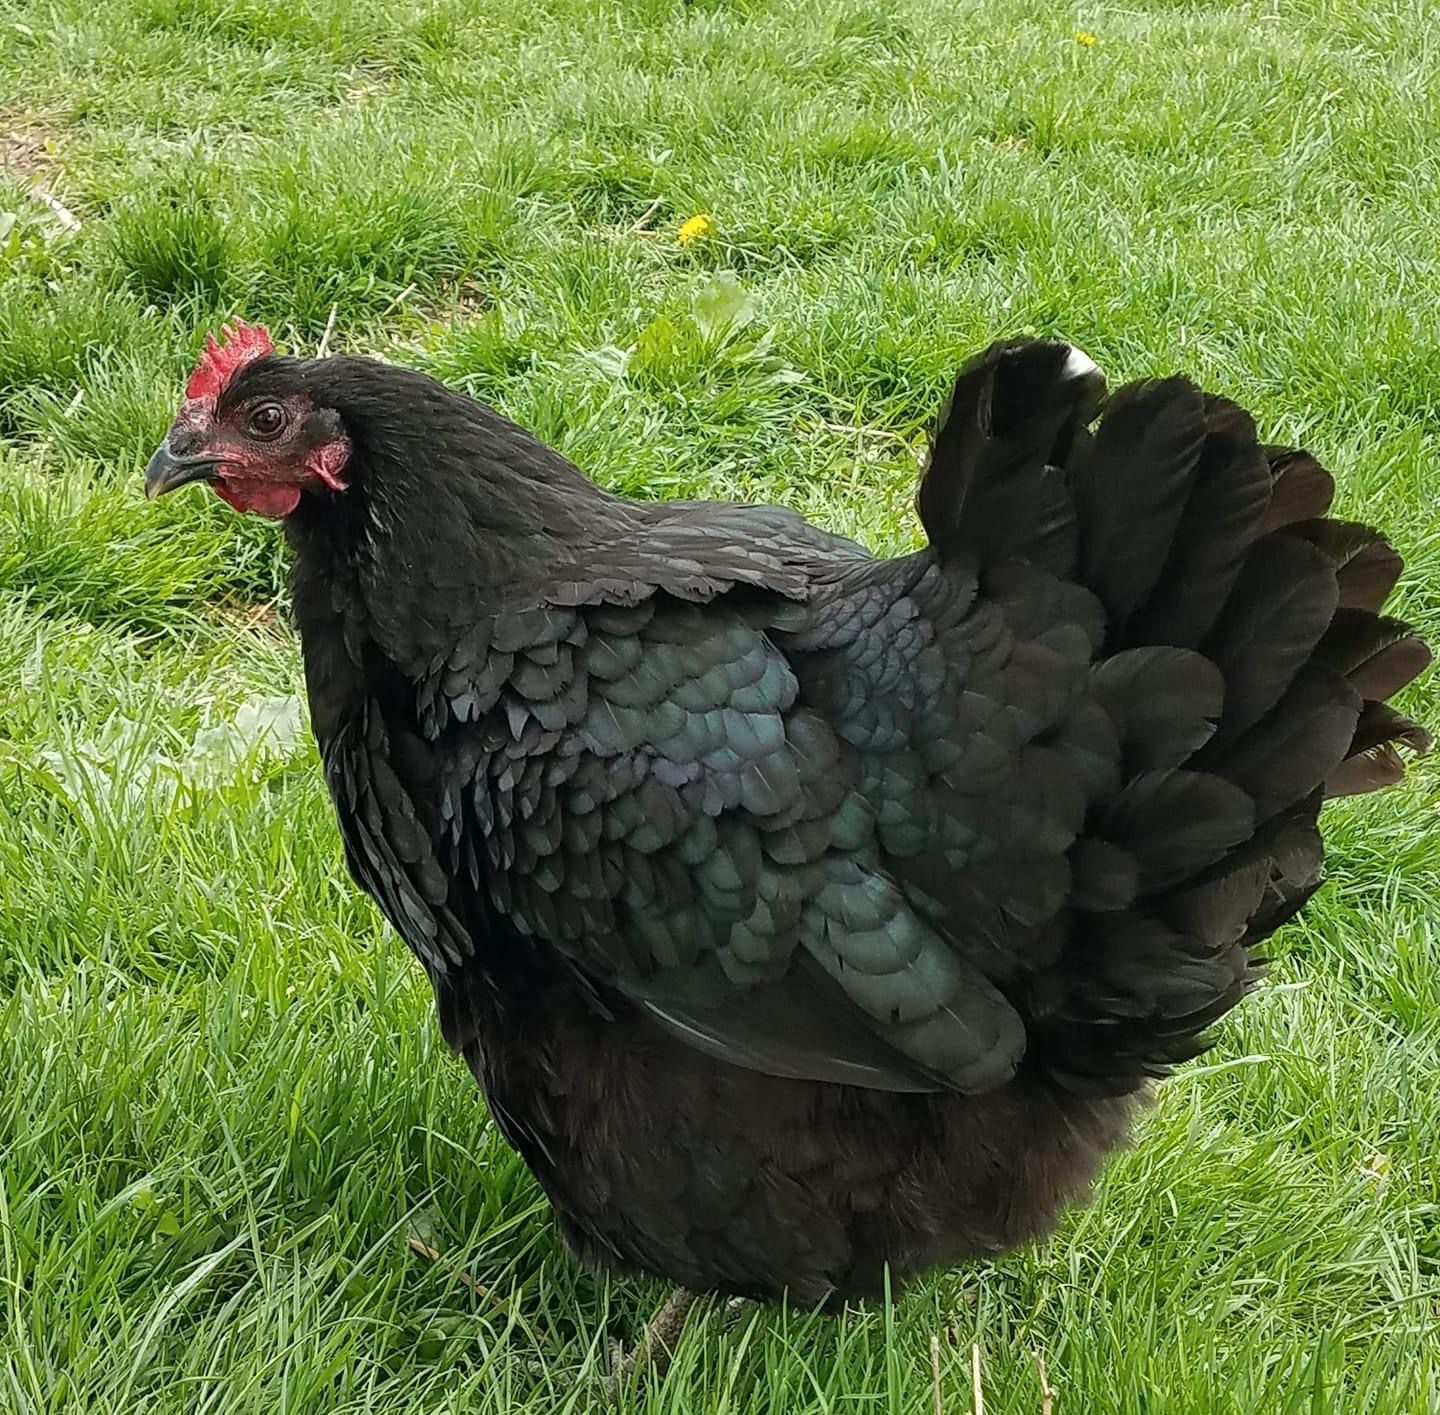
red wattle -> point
(274, 499)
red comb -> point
(221, 361)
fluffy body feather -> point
(798, 911)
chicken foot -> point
(656, 1347)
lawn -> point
(238, 1170)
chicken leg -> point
(656, 1347)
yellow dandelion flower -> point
(692, 230)
(1083, 36)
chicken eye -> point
(266, 421)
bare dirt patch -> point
(28, 148)
(30, 157)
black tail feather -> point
(1378, 656)
(1241, 680)
(1130, 491)
(1302, 490)
(1366, 568)
(1231, 491)
(991, 487)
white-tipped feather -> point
(1078, 364)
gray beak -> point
(165, 471)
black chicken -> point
(801, 912)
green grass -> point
(225, 1109)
